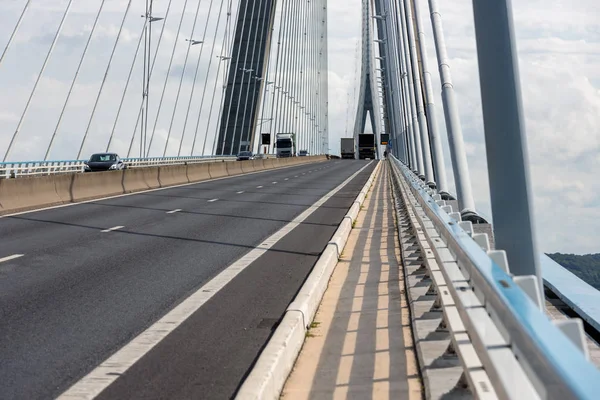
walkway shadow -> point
(363, 353)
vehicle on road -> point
(245, 155)
(104, 162)
(348, 148)
(285, 144)
(366, 146)
(302, 153)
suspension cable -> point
(37, 81)
(137, 121)
(190, 43)
(14, 32)
(162, 96)
(133, 61)
(62, 112)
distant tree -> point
(586, 267)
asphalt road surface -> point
(78, 283)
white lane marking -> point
(114, 228)
(274, 183)
(116, 365)
(174, 211)
(296, 176)
(14, 256)
(259, 187)
(286, 179)
(213, 200)
(240, 192)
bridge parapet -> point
(495, 320)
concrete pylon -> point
(247, 66)
(368, 101)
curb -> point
(269, 374)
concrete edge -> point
(5, 212)
(268, 376)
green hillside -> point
(587, 267)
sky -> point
(558, 43)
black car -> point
(104, 162)
(245, 155)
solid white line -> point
(4, 259)
(106, 373)
(174, 211)
(240, 192)
(213, 200)
(114, 228)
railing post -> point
(505, 139)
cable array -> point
(160, 85)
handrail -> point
(554, 364)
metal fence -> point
(33, 168)
(492, 312)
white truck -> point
(285, 144)
(348, 148)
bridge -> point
(185, 272)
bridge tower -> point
(250, 49)
(368, 101)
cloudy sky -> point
(559, 54)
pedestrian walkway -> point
(360, 345)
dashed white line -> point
(296, 176)
(114, 228)
(273, 183)
(116, 365)
(286, 179)
(14, 256)
(240, 192)
(174, 211)
(213, 200)
(259, 187)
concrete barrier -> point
(198, 172)
(270, 163)
(172, 175)
(137, 179)
(247, 166)
(219, 170)
(97, 184)
(259, 165)
(234, 168)
(25, 193)
(28, 193)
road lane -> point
(78, 294)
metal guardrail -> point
(521, 351)
(33, 168)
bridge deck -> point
(360, 345)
